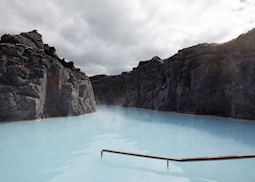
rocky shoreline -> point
(206, 79)
(36, 83)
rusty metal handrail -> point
(210, 158)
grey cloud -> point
(112, 36)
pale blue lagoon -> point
(68, 149)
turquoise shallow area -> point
(68, 149)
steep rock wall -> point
(207, 79)
(36, 83)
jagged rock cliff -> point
(208, 79)
(36, 83)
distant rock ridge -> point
(206, 79)
(36, 83)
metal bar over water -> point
(210, 158)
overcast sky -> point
(111, 36)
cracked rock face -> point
(36, 83)
(207, 79)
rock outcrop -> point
(206, 79)
(36, 83)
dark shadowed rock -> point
(36, 83)
(209, 79)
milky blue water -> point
(68, 149)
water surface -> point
(68, 149)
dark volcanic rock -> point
(36, 83)
(209, 79)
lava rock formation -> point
(206, 79)
(36, 83)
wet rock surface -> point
(206, 79)
(36, 83)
